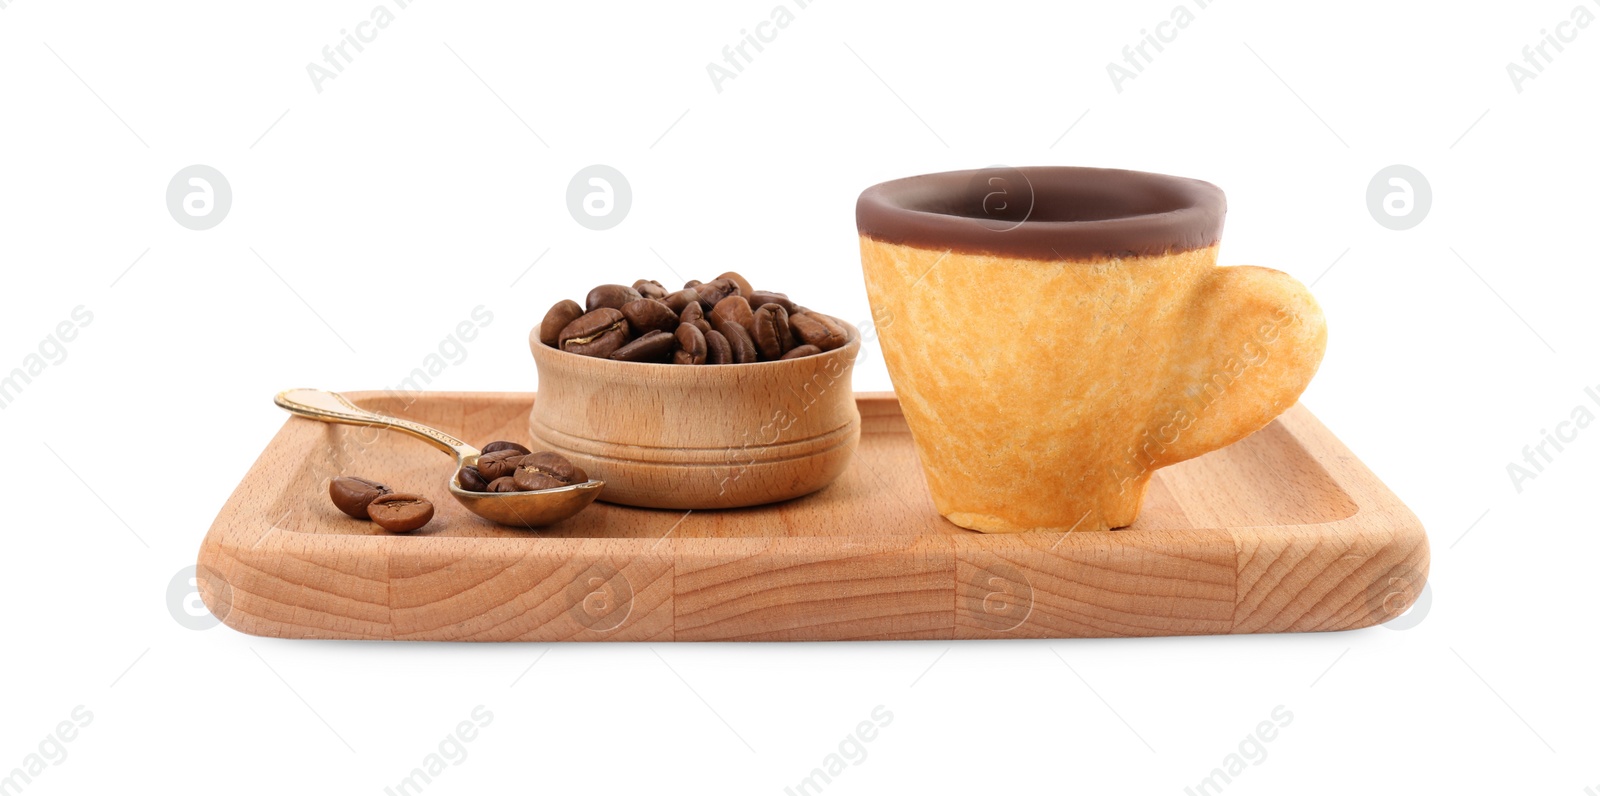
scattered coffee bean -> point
(611, 296)
(653, 347)
(645, 323)
(499, 464)
(472, 480)
(596, 334)
(354, 495)
(647, 314)
(400, 512)
(504, 445)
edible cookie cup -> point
(699, 436)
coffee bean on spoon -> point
(596, 334)
(691, 345)
(564, 312)
(353, 495)
(472, 480)
(505, 445)
(504, 484)
(770, 329)
(650, 288)
(653, 347)
(646, 314)
(717, 350)
(611, 296)
(801, 351)
(497, 465)
(400, 512)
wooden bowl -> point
(699, 436)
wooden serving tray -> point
(1283, 531)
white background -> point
(416, 186)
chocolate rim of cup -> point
(852, 344)
(1052, 213)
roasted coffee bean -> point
(353, 495)
(819, 330)
(532, 481)
(740, 346)
(691, 284)
(734, 278)
(763, 297)
(681, 299)
(691, 345)
(504, 484)
(596, 334)
(691, 313)
(650, 288)
(472, 480)
(717, 350)
(711, 293)
(545, 470)
(647, 314)
(400, 512)
(613, 296)
(703, 325)
(504, 445)
(771, 331)
(564, 312)
(653, 347)
(498, 464)
(733, 309)
(801, 351)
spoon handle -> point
(331, 407)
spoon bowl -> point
(516, 509)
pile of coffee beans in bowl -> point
(721, 322)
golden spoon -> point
(517, 509)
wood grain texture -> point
(1282, 531)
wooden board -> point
(1283, 531)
